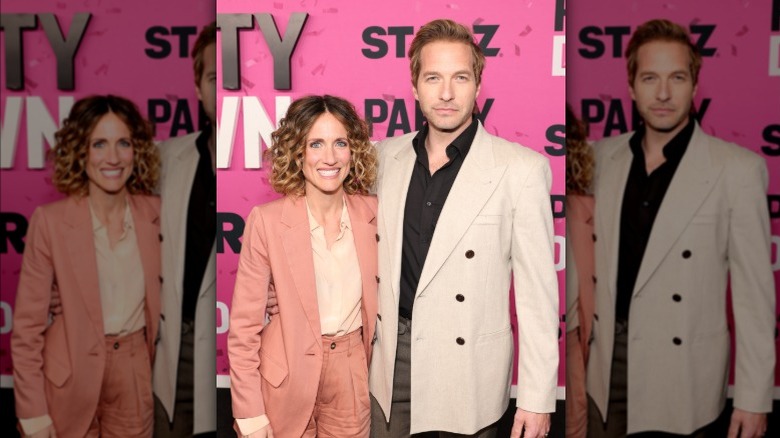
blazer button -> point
(377, 237)
(677, 297)
(686, 254)
(460, 297)
(677, 341)
(332, 345)
(161, 280)
(469, 254)
(460, 341)
(377, 279)
(116, 345)
(594, 280)
(593, 236)
(160, 236)
(596, 316)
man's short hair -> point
(661, 30)
(444, 30)
(207, 36)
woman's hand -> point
(265, 432)
(46, 432)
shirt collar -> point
(674, 150)
(97, 225)
(460, 145)
(345, 222)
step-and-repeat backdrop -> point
(738, 97)
(274, 52)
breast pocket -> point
(704, 219)
(487, 220)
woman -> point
(306, 372)
(580, 270)
(88, 373)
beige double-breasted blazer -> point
(496, 222)
(713, 224)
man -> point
(185, 367)
(460, 212)
(677, 213)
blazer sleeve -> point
(536, 292)
(247, 319)
(31, 313)
(752, 289)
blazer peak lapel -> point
(476, 181)
(80, 241)
(395, 183)
(692, 181)
(176, 195)
(297, 247)
(609, 201)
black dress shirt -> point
(424, 202)
(641, 202)
(201, 226)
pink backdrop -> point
(111, 59)
(739, 84)
(526, 99)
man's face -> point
(446, 87)
(207, 87)
(663, 88)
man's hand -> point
(746, 424)
(271, 307)
(55, 305)
(530, 425)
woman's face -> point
(110, 158)
(326, 156)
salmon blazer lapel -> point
(80, 241)
(296, 240)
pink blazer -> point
(275, 368)
(58, 369)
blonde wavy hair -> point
(289, 145)
(661, 30)
(71, 151)
(579, 156)
(444, 30)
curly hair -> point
(579, 155)
(289, 145)
(444, 30)
(661, 30)
(71, 150)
